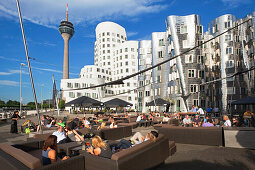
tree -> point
(11, 103)
(2, 103)
(61, 104)
(31, 105)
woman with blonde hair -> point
(227, 121)
(100, 148)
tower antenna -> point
(67, 12)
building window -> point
(69, 85)
(108, 33)
(126, 49)
(183, 29)
(200, 59)
(127, 70)
(120, 50)
(128, 84)
(227, 24)
(199, 29)
(126, 56)
(140, 83)
(201, 74)
(160, 54)
(189, 58)
(147, 82)
(231, 90)
(192, 73)
(98, 69)
(193, 88)
(227, 37)
(140, 94)
(158, 79)
(71, 94)
(196, 102)
(103, 34)
(159, 67)
(147, 93)
(229, 50)
(161, 42)
(230, 64)
(129, 98)
(243, 90)
(132, 49)
(78, 94)
(76, 85)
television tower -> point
(66, 30)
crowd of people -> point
(67, 132)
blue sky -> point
(41, 19)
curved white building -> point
(108, 36)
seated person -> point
(139, 118)
(61, 135)
(49, 154)
(227, 122)
(197, 121)
(208, 123)
(187, 121)
(165, 119)
(201, 112)
(86, 122)
(72, 124)
(52, 122)
(60, 123)
(73, 135)
(235, 122)
(150, 117)
(138, 138)
(247, 116)
(102, 126)
(100, 148)
(194, 109)
(113, 124)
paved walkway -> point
(192, 157)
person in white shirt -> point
(187, 121)
(61, 135)
(227, 122)
(165, 119)
(201, 111)
(139, 118)
(86, 122)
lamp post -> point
(20, 97)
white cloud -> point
(10, 72)
(130, 34)
(50, 12)
(51, 70)
(9, 83)
(235, 3)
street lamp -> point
(20, 99)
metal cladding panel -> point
(175, 23)
(220, 21)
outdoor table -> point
(66, 147)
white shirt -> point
(138, 119)
(111, 126)
(227, 123)
(60, 135)
(86, 122)
(165, 119)
(201, 111)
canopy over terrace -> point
(84, 101)
(116, 102)
(244, 101)
(158, 102)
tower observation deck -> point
(66, 30)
